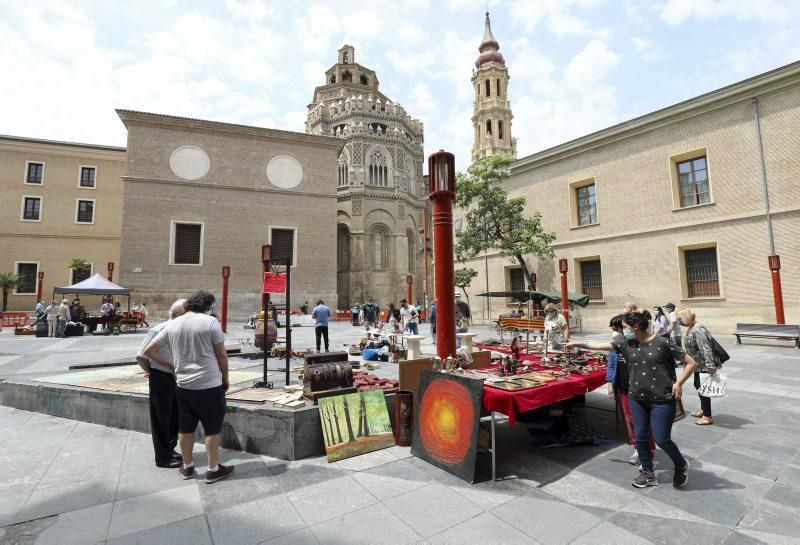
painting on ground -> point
(354, 424)
(448, 417)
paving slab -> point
(581, 488)
(153, 510)
(607, 532)
(759, 467)
(87, 526)
(485, 529)
(787, 496)
(432, 509)
(371, 525)
(749, 537)
(53, 500)
(192, 531)
(665, 530)
(316, 502)
(547, 521)
(238, 488)
(255, 521)
(389, 480)
(301, 537)
(145, 481)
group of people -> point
(369, 313)
(57, 315)
(186, 364)
(645, 351)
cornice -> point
(60, 235)
(207, 185)
(55, 147)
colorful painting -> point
(446, 429)
(354, 424)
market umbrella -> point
(574, 298)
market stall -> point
(96, 285)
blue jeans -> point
(458, 339)
(659, 416)
(62, 326)
(412, 327)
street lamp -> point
(226, 273)
(777, 291)
(562, 268)
(442, 191)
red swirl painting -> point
(447, 421)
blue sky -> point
(576, 65)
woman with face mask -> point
(697, 343)
(555, 325)
(660, 323)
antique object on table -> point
(515, 384)
(403, 418)
(437, 363)
(272, 332)
(323, 372)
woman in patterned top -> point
(697, 343)
(654, 389)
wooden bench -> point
(533, 325)
(770, 331)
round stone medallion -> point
(284, 172)
(189, 163)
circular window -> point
(189, 163)
(284, 172)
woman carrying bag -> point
(699, 344)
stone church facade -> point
(382, 204)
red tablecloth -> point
(511, 403)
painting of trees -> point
(354, 424)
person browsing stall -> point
(410, 317)
(555, 324)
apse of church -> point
(382, 202)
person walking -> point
(462, 317)
(617, 377)
(371, 313)
(64, 316)
(432, 318)
(410, 317)
(654, 390)
(698, 344)
(145, 314)
(660, 324)
(39, 309)
(163, 395)
(321, 315)
(355, 310)
(200, 364)
(673, 324)
(51, 314)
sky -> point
(576, 66)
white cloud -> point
(558, 16)
(251, 10)
(645, 49)
(592, 64)
(421, 100)
(675, 12)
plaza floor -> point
(71, 482)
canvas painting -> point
(448, 418)
(354, 424)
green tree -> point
(464, 278)
(496, 221)
(8, 282)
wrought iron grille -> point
(283, 244)
(592, 279)
(187, 243)
(702, 276)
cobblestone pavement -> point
(70, 482)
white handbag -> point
(713, 386)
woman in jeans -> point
(619, 384)
(697, 343)
(654, 388)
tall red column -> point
(110, 268)
(39, 286)
(777, 291)
(562, 268)
(410, 296)
(442, 191)
(226, 272)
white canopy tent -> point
(96, 285)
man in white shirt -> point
(410, 317)
(674, 327)
(197, 344)
(163, 397)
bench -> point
(770, 331)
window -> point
(693, 182)
(345, 58)
(282, 241)
(363, 79)
(592, 279)
(379, 250)
(87, 176)
(500, 130)
(587, 205)
(347, 77)
(378, 170)
(35, 173)
(85, 211)
(488, 127)
(28, 272)
(488, 88)
(702, 276)
(516, 279)
(497, 88)
(187, 246)
(344, 171)
(31, 209)
(342, 249)
(79, 275)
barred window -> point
(693, 182)
(35, 173)
(283, 244)
(28, 272)
(87, 176)
(702, 276)
(587, 205)
(592, 279)
(187, 244)
(85, 211)
(517, 279)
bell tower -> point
(491, 110)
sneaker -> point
(634, 459)
(681, 476)
(221, 472)
(172, 464)
(643, 480)
(186, 472)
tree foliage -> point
(79, 264)
(10, 282)
(496, 221)
(463, 278)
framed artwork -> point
(354, 424)
(448, 418)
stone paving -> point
(72, 482)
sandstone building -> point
(382, 203)
(60, 201)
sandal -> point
(698, 413)
(705, 421)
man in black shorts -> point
(197, 344)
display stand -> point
(467, 339)
(414, 349)
(266, 383)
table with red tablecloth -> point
(510, 403)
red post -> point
(562, 268)
(110, 268)
(226, 272)
(39, 286)
(266, 257)
(410, 283)
(442, 191)
(777, 292)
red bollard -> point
(226, 272)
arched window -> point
(344, 171)
(488, 127)
(342, 248)
(488, 88)
(500, 130)
(380, 250)
(347, 77)
(498, 87)
(364, 80)
(345, 58)
(378, 169)
(333, 79)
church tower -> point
(491, 117)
